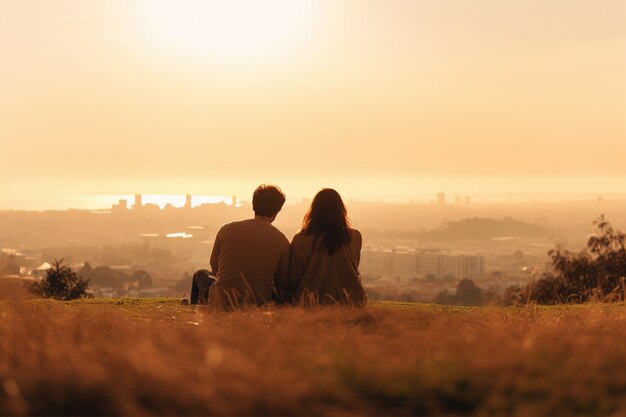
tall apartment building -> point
(442, 264)
(376, 262)
(138, 201)
(404, 263)
(410, 263)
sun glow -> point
(234, 28)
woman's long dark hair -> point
(327, 218)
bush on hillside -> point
(467, 294)
(103, 276)
(596, 273)
(141, 278)
(61, 283)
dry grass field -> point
(155, 357)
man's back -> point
(247, 257)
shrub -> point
(467, 294)
(597, 273)
(61, 283)
(142, 278)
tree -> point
(9, 265)
(86, 270)
(61, 283)
(597, 272)
(142, 278)
(445, 298)
(105, 276)
(468, 293)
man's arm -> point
(281, 279)
(215, 253)
(297, 261)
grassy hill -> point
(485, 228)
(129, 356)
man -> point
(249, 257)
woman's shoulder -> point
(356, 240)
(301, 243)
(301, 237)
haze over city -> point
(381, 101)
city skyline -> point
(57, 201)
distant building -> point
(121, 205)
(441, 199)
(187, 245)
(377, 262)
(468, 200)
(138, 202)
(410, 263)
(180, 243)
(404, 263)
(188, 201)
(455, 265)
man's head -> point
(267, 200)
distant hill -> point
(485, 228)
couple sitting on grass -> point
(253, 263)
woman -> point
(324, 262)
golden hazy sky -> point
(377, 98)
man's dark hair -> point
(267, 200)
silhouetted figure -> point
(325, 255)
(249, 258)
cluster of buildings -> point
(196, 242)
(458, 200)
(411, 263)
(139, 203)
(22, 265)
